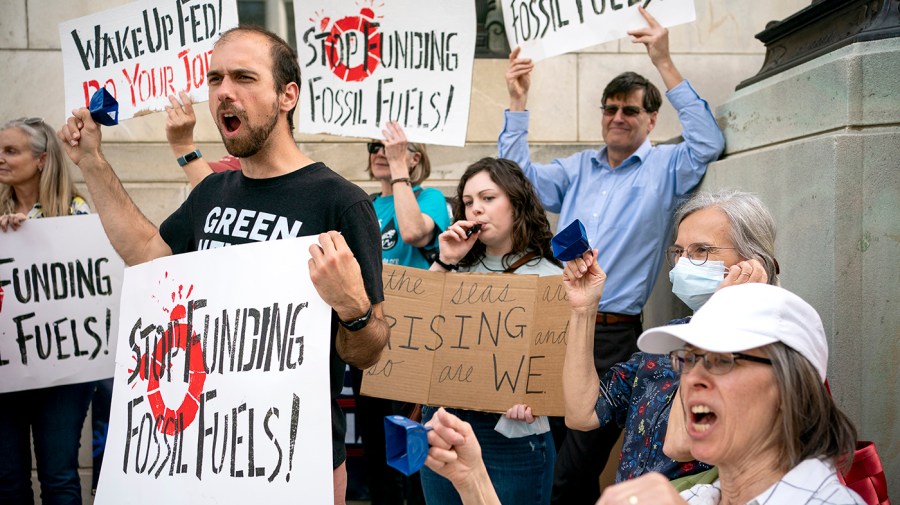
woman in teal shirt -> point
(411, 217)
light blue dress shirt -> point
(627, 211)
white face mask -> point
(693, 284)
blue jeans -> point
(521, 469)
(54, 416)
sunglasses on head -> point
(628, 110)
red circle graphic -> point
(362, 24)
(167, 420)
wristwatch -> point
(189, 157)
(358, 323)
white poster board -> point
(142, 52)
(61, 281)
(239, 411)
(366, 63)
(545, 28)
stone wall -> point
(820, 144)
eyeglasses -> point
(697, 254)
(716, 363)
(627, 110)
(374, 147)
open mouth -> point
(702, 418)
(231, 123)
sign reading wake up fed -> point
(142, 52)
(367, 62)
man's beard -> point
(254, 139)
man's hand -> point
(656, 38)
(180, 121)
(455, 455)
(81, 136)
(337, 277)
(12, 221)
(518, 80)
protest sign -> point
(61, 279)
(142, 52)
(545, 28)
(221, 388)
(475, 341)
(366, 63)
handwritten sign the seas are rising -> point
(221, 382)
(142, 52)
(475, 341)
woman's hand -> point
(520, 412)
(744, 272)
(454, 244)
(584, 280)
(12, 221)
(180, 121)
(395, 149)
(648, 488)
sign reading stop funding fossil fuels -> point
(221, 381)
(368, 62)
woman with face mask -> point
(721, 239)
(500, 226)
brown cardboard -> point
(475, 341)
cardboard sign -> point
(221, 386)
(142, 52)
(61, 279)
(545, 28)
(366, 63)
(475, 341)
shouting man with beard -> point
(254, 81)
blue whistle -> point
(406, 444)
(104, 108)
(570, 243)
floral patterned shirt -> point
(637, 396)
(78, 207)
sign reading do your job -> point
(545, 28)
(475, 341)
(142, 52)
(60, 280)
(221, 381)
(365, 63)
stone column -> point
(819, 142)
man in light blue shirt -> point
(625, 194)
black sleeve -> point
(359, 226)
(177, 230)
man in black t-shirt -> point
(279, 193)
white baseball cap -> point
(747, 316)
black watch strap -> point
(358, 323)
(445, 266)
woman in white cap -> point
(752, 363)
(756, 406)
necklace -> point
(481, 260)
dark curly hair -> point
(530, 230)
